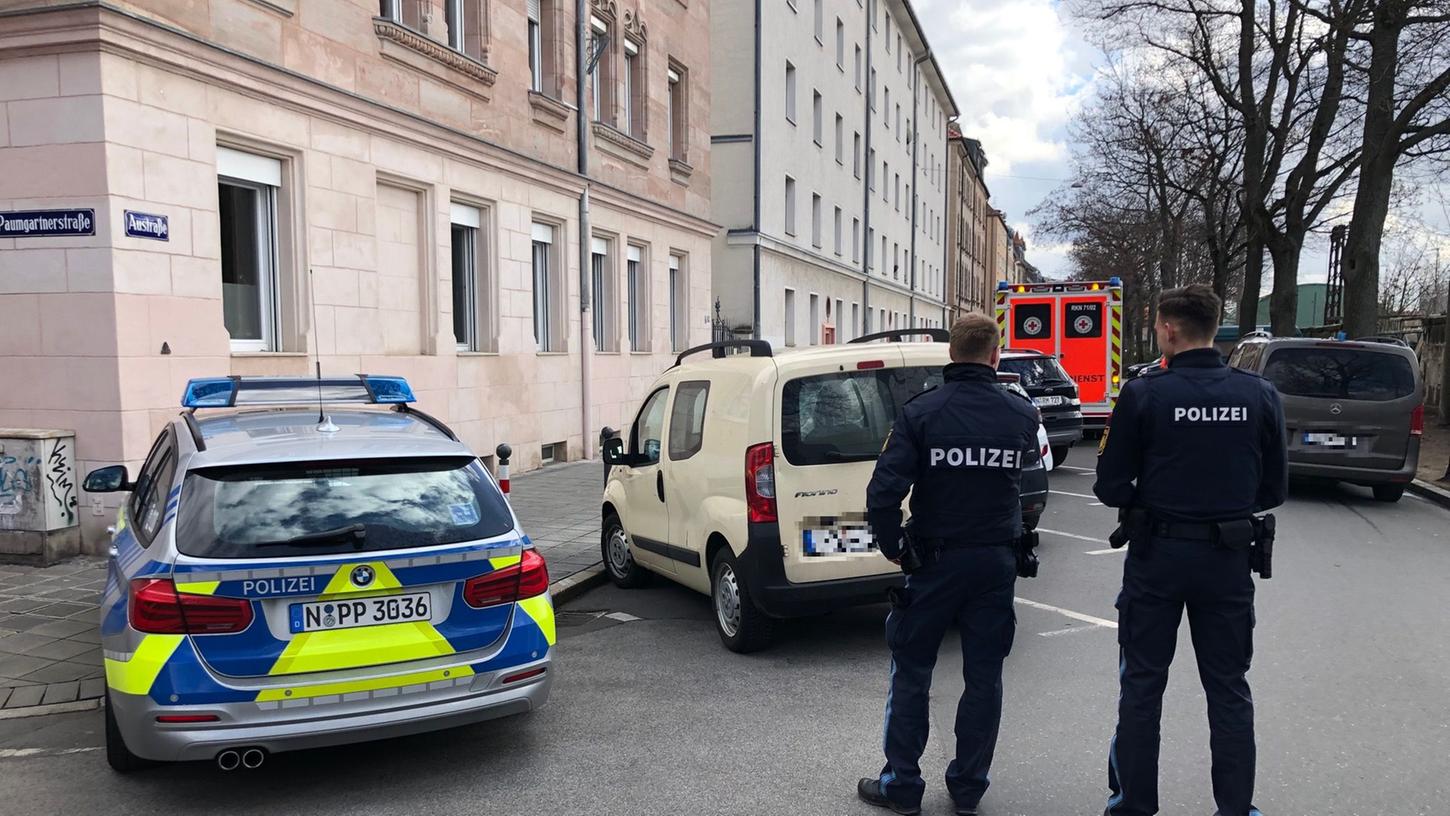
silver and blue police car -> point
(287, 576)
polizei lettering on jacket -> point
(1211, 413)
(977, 458)
(281, 586)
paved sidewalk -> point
(49, 646)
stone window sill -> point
(286, 8)
(272, 355)
(680, 171)
(622, 145)
(549, 112)
(416, 50)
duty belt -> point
(962, 543)
(1192, 531)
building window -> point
(472, 292)
(465, 19)
(857, 72)
(888, 31)
(536, 47)
(790, 317)
(855, 240)
(816, 116)
(840, 44)
(895, 260)
(814, 327)
(678, 113)
(820, 22)
(886, 109)
(884, 263)
(898, 192)
(898, 121)
(885, 174)
(855, 320)
(840, 318)
(637, 288)
(871, 168)
(838, 231)
(899, 53)
(840, 140)
(247, 188)
(871, 242)
(601, 286)
(601, 79)
(790, 93)
(789, 206)
(547, 291)
(403, 12)
(815, 221)
(872, 89)
(636, 99)
(679, 304)
(856, 154)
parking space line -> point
(1078, 495)
(1070, 535)
(1068, 613)
(1118, 551)
(1078, 470)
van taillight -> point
(157, 608)
(525, 579)
(1417, 420)
(760, 482)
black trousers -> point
(1213, 583)
(971, 588)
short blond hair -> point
(973, 337)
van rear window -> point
(286, 509)
(831, 418)
(1344, 373)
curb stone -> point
(1433, 492)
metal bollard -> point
(503, 452)
(605, 434)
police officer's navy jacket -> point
(962, 445)
(1196, 441)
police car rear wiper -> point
(837, 456)
(355, 532)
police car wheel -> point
(118, 755)
(743, 628)
(618, 560)
(1389, 492)
(1059, 454)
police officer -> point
(962, 446)
(1193, 450)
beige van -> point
(743, 476)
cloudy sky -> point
(1019, 69)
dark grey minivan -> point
(1354, 410)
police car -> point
(743, 476)
(292, 576)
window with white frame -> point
(840, 44)
(840, 318)
(840, 140)
(247, 188)
(679, 303)
(855, 240)
(403, 12)
(677, 114)
(855, 321)
(601, 79)
(601, 286)
(856, 154)
(820, 21)
(789, 206)
(536, 45)
(636, 97)
(857, 72)
(466, 20)
(472, 285)
(547, 288)
(637, 283)
(814, 315)
(790, 92)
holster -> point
(1025, 547)
(915, 553)
(1261, 551)
(1135, 525)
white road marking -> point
(1118, 551)
(1068, 630)
(1070, 535)
(1078, 495)
(25, 753)
(1068, 613)
(622, 617)
(1079, 470)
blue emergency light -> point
(229, 392)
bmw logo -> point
(362, 576)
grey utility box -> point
(39, 496)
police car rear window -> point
(1342, 373)
(287, 509)
(1035, 372)
(833, 418)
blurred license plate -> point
(1043, 402)
(843, 540)
(1328, 440)
(347, 614)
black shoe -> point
(870, 792)
(967, 810)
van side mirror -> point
(614, 454)
(113, 479)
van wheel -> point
(743, 628)
(618, 560)
(1059, 454)
(117, 754)
(1389, 492)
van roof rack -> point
(1259, 333)
(1389, 341)
(758, 348)
(895, 335)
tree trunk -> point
(1284, 302)
(1380, 152)
(1445, 372)
(1253, 280)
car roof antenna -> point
(324, 422)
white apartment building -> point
(828, 136)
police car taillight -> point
(525, 579)
(760, 482)
(157, 608)
(1417, 420)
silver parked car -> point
(291, 577)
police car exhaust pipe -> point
(252, 758)
(228, 760)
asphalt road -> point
(652, 716)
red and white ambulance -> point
(1080, 323)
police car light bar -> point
(229, 392)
